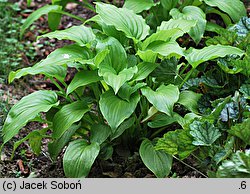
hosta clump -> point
(118, 90)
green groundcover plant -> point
(157, 76)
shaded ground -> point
(24, 163)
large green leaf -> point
(80, 34)
(161, 120)
(176, 142)
(116, 80)
(147, 56)
(61, 56)
(163, 98)
(57, 145)
(115, 110)
(67, 54)
(192, 13)
(126, 90)
(144, 69)
(189, 99)
(198, 56)
(83, 78)
(37, 14)
(162, 35)
(169, 142)
(157, 161)
(166, 49)
(183, 24)
(138, 5)
(204, 133)
(115, 49)
(125, 20)
(99, 133)
(234, 8)
(53, 70)
(26, 110)
(125, 125)
(68, 115)
(109, 30)
(79, 158)
(186, 120)
(242, 131)
(185, 147)
(237, 167)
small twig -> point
(190, 166)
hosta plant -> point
(129, 84)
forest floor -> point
(25, 163)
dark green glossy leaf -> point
(79, 158)
(68, 115)
(189, 99)
(116, 80)
(115, 110)
(157, 161)
(144, 69)
(161, 120)
(192, 13)
(115, 49)
(57, 145)
(99, 133)
(125, 125)
(163, 98)
(126, 90)
(83, 78)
